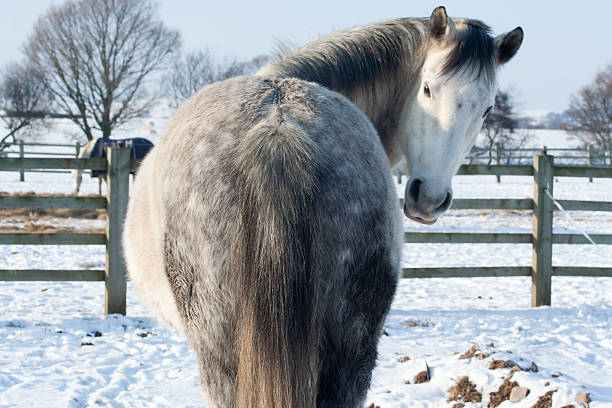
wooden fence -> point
(20, 150)
(118, 164)
(542, 238)
(588, 156)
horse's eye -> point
(487, 112)
(426, 91)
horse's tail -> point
(277, 285)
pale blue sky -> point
(566, 43)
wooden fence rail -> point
(71, 150)
(588, 156)
(118, 166)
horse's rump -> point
(272, 194)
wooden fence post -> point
(541, 261)
(589, 160)
(497, 161)
(78, 149)
(117, 179)
(21, 156)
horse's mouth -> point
(419, 219)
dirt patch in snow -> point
(422, 377)
(503, 394)
(37, 220)
(414, 323)
(465, 391)
(545, 401)
(497, 364)
(29, 227)
(474, 351)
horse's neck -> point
(373, 65)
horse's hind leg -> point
(209, 325)
(351, 333)
(143, 248)
(217, 374)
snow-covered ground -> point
(57, 349)
(551, 138)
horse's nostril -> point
(446, 203)
(414, 189)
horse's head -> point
(444, 113)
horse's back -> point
(285, 172)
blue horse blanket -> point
(139, 149)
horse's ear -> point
(440, 25)
(506, 45)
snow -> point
(57, 349)
(537, 114)
(551, 138)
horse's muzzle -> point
(419, 219)
(421, 205)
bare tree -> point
(500, 128)
(95, 55)
(190, 72)
(196, 69)
(232, 67)
(589, 116)
(24, 102)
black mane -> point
(474, 51)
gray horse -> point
(265, 225)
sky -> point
(566, 43)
